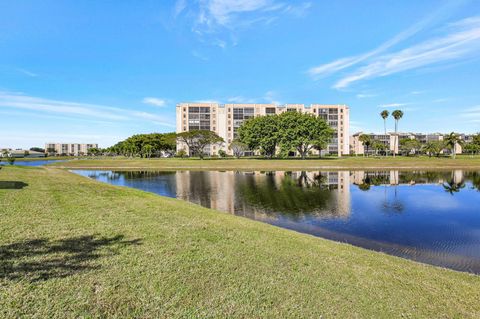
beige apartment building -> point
(225, 119)
(392, 143)
(73, 149)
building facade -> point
(72, 149)
(392, 143)
(225, 119)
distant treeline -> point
(145, 145)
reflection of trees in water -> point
(289, 195)
(376, 178)
(144, 174)
(423, 177)
(474, 177)
(453, 187)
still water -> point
(31, 163)
(431, 217)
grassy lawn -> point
(465, 162)
(73, 247)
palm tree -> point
(397, 115)
(366, 142)
(451, 141)
(384, 114)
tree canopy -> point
(291, 131)
(137, 145)
(198, 140)
(302, 132)
(261, 133)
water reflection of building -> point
(395, 177)
(267, 195)
(220, 190)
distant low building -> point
(20, 153)
(71, 149)
(392, 143)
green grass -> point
(74, 247)
(461, 162)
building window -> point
(270, 110)
(199, 118)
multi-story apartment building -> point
(73, 149)
(225, 119)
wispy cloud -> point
(27, 73)
(154, 101)
(461, 40)
(392, 105)
(343, 63)
(66, 108)
(211, 17)
(365, 95)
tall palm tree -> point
(452, 140)
(397, 115)
(384, 114)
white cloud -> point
(154, 101)
(343, 63)
(74, 109)
(240, 99)
(180, 5)
(392, 105)
(462, 41)
(271, 97)
(199, 55)
(365, 95)
(28, 73)
(210, 17)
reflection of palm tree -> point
(476, 181)
(452, 187)
(364, 187)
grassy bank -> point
(462, 162)
(73, 247)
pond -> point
(431, 217)
(31, 163)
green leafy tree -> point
(471, 148)
(37, 149)
(94, 151)
(198, 140)
(409, 146)
(300, 131)
(181, 153)
(433, 148)
(366, 142)
(379, 147)
(147, 150)
(451, 141)
(397, 115)
(11, 160)
(51, 150)
(222, 153)
(384, 115)
(321, 143)
(261, 133)
(238, 148)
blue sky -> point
(99, 71)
